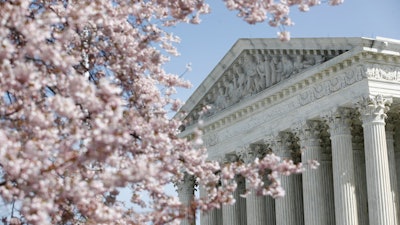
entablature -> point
(313, 85)
(330, 71)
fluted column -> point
(241, 189)
(255, 208)
(359, 172)
(186, 194)
(392, 167)
(328, 170)
(209, 217)
(380, 204)
(255, 204)
(343, 169)
(231, 213)
(270, 212)
(397, 151)
(289, 209)
(317, 188)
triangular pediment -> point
(252, 66)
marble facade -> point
(334, 100)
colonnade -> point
(356, 183)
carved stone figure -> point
(298, 64)
(250, 73)
(240, 81)
(220, 101)
(254, 72)
(262, 72)
(287, 66)
(311, 60)
(232, 91)
(276, 69)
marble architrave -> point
(264, 87)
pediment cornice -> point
(303, 68)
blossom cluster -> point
(275, 12)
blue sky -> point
(204, 45)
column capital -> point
(326, 144)
(270, 140)
(392, 121)
(357, 138)
(188, 182)
(394, 116)
(244, 153)
(308, 129)
(281, 143)
(185, 189)
(251, 152)
(339, 121)
(230, 158)
(389, 128)
(373, 109)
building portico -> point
(334, 100)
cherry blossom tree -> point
(83, 112)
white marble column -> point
(270, 212)
(242, 201)
(255, 204)
(186, 194)
(380, 204)
(289, 209)
(328, 169)
(359, 172)
(397, 151)
(231, 213)
(343, 169)
(255, 208)
(209, 217)
(392, 167)
(317, 183)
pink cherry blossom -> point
(336, 2)
(84, 112)
(284, 36)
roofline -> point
(334, 43)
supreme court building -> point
(335, 100)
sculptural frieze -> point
(383, 72)
(254, 72)
(358, 73)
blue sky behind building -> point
(204, 45)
